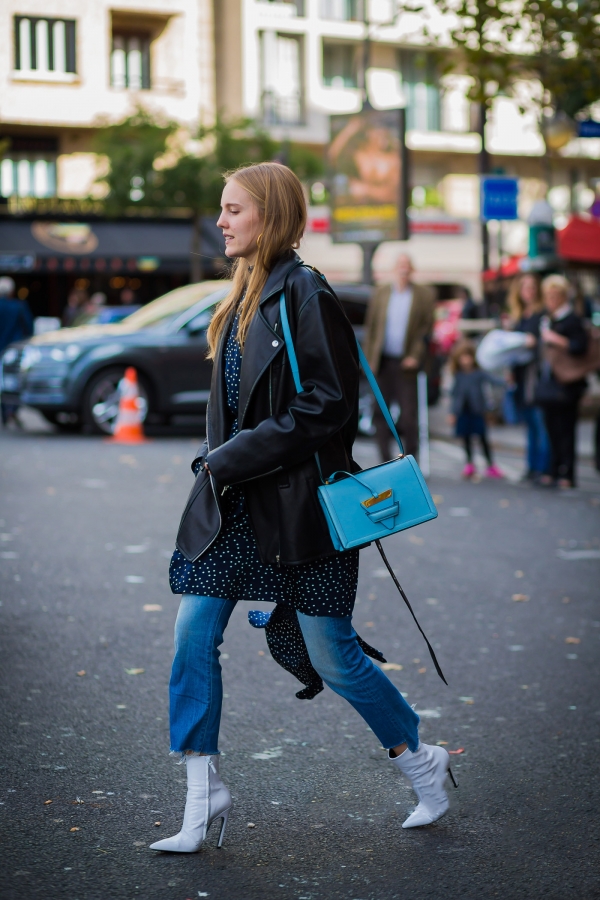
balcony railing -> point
(282, 110)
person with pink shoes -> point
(469, 406)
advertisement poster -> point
(368, 176)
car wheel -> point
(101, 401)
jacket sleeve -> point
(328, 364)
(372, 327)
(423, 327)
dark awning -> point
(100, 246)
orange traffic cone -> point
(128, 427)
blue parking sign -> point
(499, 196)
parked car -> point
(71, 376)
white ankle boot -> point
(427, 770)
(207, 799)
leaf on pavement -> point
(46, 802)
(391, 667)
(81, 672)
(152, 607)
(135, 671)
(572, 640)
(520, 598)
(73, 829)
(456, 752)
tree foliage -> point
(149, 168)
(500, 42)
(132, 148)
(567, 60)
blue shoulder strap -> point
(287, 334)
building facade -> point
(67, 67)
(293, 64)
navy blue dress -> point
(232, 569)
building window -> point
(28, 167)
(343, 10)
(44, 45)
(421, 89)
(130, 61)
(299, 4)
(339, 65)
(281, 79)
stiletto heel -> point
(452, 778)
(224, 819)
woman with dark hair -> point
(526, 310)
(262, 531)
(564, 329)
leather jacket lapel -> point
(216, 416)
(261, 347)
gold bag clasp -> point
(372, 501)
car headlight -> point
(31, 357)
(10, 356)
(34, 355)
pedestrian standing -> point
(561, 327)
(469, 406)
(526, 310)
(75, 304)
(261, 525)
(16, 323)
(398, 321)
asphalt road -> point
(506, 582)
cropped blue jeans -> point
(196, 691)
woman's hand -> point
(530, 340)
(451, 419)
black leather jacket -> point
(272, 456)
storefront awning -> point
(579, 241)
(99, 246)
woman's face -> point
(554, 298)
(240, 222)
(528, 290)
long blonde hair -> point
(515, 304)
(280, 201)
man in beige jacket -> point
(399, 318)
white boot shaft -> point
(207, 799)
(426, 769)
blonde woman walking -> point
(260, 530)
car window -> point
(200, 322)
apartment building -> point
(293, 64)
(67, 65)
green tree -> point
(566, 35)
(146, 168)
(132, 148)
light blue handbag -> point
(364, 507)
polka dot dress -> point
(232, 570)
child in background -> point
(469, 406)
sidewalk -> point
(447, 456)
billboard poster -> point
(367, 163)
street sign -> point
(589, 129)
(499, 197)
